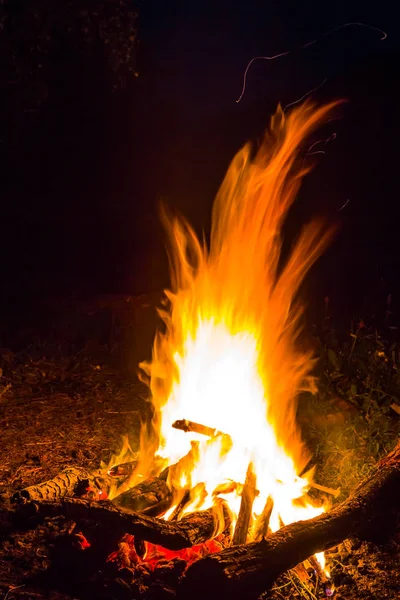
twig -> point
(327, 490)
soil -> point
(63, 411)
(359, 571)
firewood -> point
(155, 510)
(191, 530)
(153, 493)
(318, 569)
(187, 426)
(190, 426)
(245, 571)
(262, 523)
(70, 482)
(248, 494)
(180, 506)
(123, 469)
(196, 494)
(325, 489)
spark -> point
(325, 141)
(345, 204)
(306, 45)
(305, 95)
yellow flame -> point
(228, 357)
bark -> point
(70, 482)
(191, 530)
(245, 571)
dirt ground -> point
(64, 412)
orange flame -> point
(228, 357)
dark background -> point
(85, 168)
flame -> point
(229, 356)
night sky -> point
(81, 212)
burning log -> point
(151, 496)
(189, 496)
(180, 506)
(72, 481)
(191, 530)
(123, 469)
(154, 495)
(247, 570)
(263, 520)
(248, 494)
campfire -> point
(220, 497)
(227, 371)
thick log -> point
(246, 571)
(191, 530)
(70, 482)
(152, 496)
(246, 505)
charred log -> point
(246, 571)
(152, 495)
(73, 481)
(191, 530)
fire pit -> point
(220, 499)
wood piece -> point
(371, 513)
(153, 493)
(246, 504)
(396, 407)
(195, 496)
(301, 572)
(326, 490)
(188, 426)
(123, 469)
(261, 530)
(191, 530)
(155, 510)
(70, 482)
(318, 569)
(180, 506)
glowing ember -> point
(155, 554)
(228, 359)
